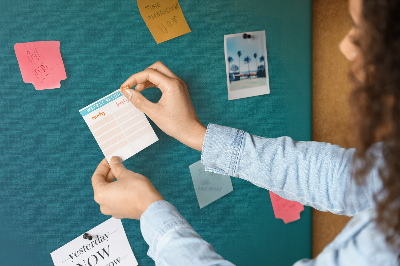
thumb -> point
(138, 100)
(117, 167)
(99, 176)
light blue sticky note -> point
(209, 186)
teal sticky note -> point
(209, 186)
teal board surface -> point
(48, 154)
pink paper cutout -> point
(41, 64)
(284, 209)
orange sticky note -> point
(284, 209)
(41, 64)
(164, 18)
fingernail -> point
(115, 160)
(124, 88)
(128, 94)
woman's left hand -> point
(128, 197)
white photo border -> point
(248, 92)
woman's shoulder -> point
(362, 240)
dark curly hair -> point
(375, 103)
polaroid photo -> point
(246, 64)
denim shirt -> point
(312, 173)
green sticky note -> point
(209, 186)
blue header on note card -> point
(100, 103)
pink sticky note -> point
(284, 209)
(41, 64)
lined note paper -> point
(164, 18)
(41, 64)
(118, 126)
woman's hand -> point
(174, 113)
(127, 197)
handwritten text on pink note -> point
(41, 63)
(284, 209)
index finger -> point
(100, 174)
(158, 79)
(160, 67)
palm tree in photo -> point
(262, 59)
(230, 59)
(239, 55)
(255, 59)
(247, 60)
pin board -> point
(48, 154)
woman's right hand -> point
(173, 113)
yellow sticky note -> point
(164, 18)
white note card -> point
(209, 186)
(118, 126)
(108, 247)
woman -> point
(316, 174)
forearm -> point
(312, 173)
(172, 241)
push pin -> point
(88, 236)
(246, 36)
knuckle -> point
(137, 103)
(103, 210)
(118, 171)
(176, 83)
(149, 71)
(97, 197)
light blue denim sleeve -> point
(359, 244)
(172, 241)
(312, 173)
